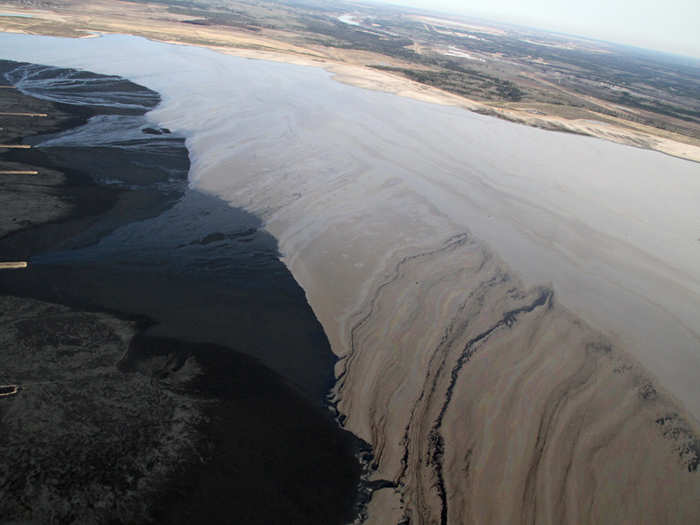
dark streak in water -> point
(436, 441)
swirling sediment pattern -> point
(487, 403)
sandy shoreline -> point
(366, 78)
(351, 69)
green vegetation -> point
(469, 84)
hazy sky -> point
(666, 25)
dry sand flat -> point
(485, 395)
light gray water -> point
(614, 229)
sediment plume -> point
(489, 403)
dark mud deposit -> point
(169, 364)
